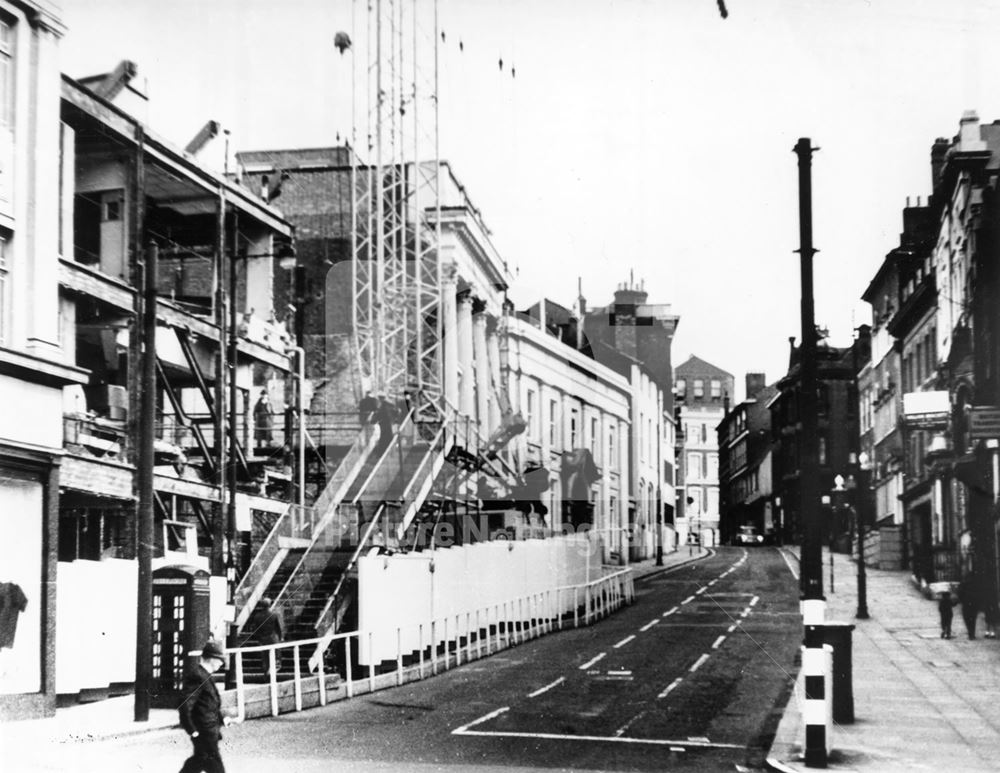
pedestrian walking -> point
(263, 420)
(386, 418)
(367, 408)
(945, 604)
(201, 712)
(268, 629)
(991, 616)
(968, 597)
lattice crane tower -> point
(396, 203)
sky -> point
(652, 138)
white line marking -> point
(602, 738)
(754, 600)
(670, 611)
(547, 687)
(624, 641)
(688, 600)
(591, 662)
(487, 718)
(731, 628)
(718, 641)
(621, 730)
(745, 612)
(700, 591)
(670, 687)
(712, 582)
(619, 673)
(649, 625)
(791, 568)
(698, 663)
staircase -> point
(299, 528)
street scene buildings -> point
(290, 406)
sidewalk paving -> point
(920, 702)
(113, 718)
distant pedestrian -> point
(968, 596)
(386, 418)
(945, 604)
(268, 629)
(992, 617)
(367, 408)
(201, 712)
(263, 420)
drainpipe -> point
(300, 484)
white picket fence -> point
(426, 647)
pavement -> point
(114, 718)
(920, 702)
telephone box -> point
(180, 626)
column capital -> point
(449, 272)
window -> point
(532, 411)
(112, 210)
(699, 388)
(574, 425)
(592, 440)
(553, 423)
(822, 450)
(704, 432)
(6, 73)
(681, 387)
(693, 466)
(712, 466)
(612, 459)
(716, 387)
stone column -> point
(466, 389)
(482, 369)
(449, 326)
(493, 350)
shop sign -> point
(984, 422)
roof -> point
(695, 366)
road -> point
(693, 676)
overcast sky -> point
(646, 136)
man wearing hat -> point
(201, 711)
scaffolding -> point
(395, 235)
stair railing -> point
(308, 522)
(327, 618)
(292, 597)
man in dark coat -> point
(201, 712)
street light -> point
(844, 496)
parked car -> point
(748, 535)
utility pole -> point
(813, 602)
(144, 530)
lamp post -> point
(860, 503)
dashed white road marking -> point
(670, 687)
(485, 718)
(745, 612)
(754, 600)
(649, 625)
(625, 641)
(619, 673)
(591, 662)
(547, 687)
(732, 627)
(718, 642)
(700, 591)
(698, 663)
(712, 582)
(621, 730)
(670, 611)
(688, 600)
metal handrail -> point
(328, 635)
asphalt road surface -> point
(693, 676)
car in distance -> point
(749, 536)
